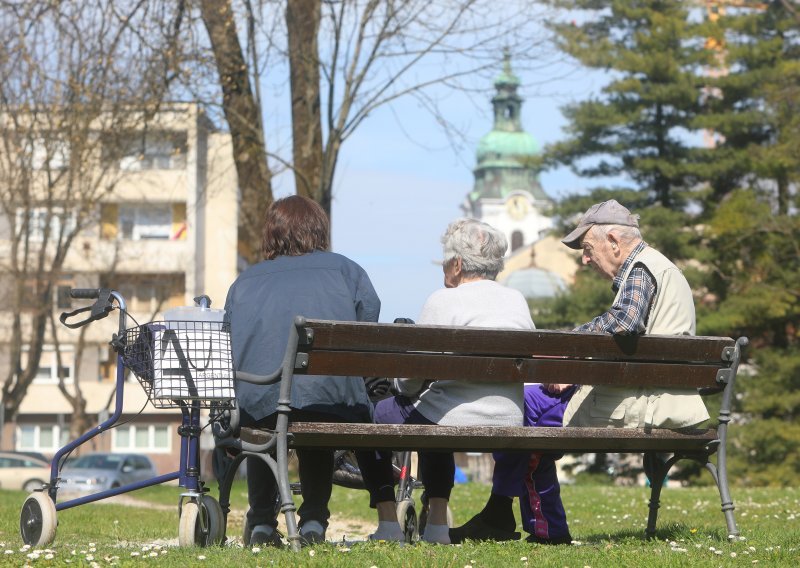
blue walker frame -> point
(206, 525)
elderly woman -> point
(473, 256)
(298, 277)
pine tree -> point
(753, 289)
(739, 250)
(753, 104)
(638, 126)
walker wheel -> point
(37, 520)
(202, 523)
(407, 517)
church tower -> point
(507, 193)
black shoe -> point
(263, 539)
(533, 539)
(310, 538)
(477, 529)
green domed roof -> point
(503, 146)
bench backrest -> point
(492, 355)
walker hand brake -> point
(100, 309)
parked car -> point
(19, 470)
(96, 472)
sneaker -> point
(533, 539)
(477, 529)
(265, 535)
(312, 533)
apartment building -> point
(164, 233)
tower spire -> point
(506, 102)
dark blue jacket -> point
(262, 304)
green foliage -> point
(638, 125)
(754, 274)
(752, 103)
(589, 296)
(607, 523)
(728, 211)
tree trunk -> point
(243, 115)
(302, 24)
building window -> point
(154, 151)
(138, 221)
(148, 294)
(41, 438)
(48, 154)
(34, 289)
(38, 219)
(141, 438)
(145, 221)
(48, 364)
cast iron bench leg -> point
(655, 470)
(725, 496)
(287, 503)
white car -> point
(92, 473)
(22, 471)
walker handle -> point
(84, 293)
(100, 309)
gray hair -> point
(625, 233)
(480, 247)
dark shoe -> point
(259, 538)
(477, 529)
(311, 532)
(310, 538)
(533, 539)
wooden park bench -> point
(319, 347)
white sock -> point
(389, 531)
(439, 534)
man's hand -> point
(556, 388)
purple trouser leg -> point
(532, 477)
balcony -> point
(131, 256)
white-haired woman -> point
(473, 256)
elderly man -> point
(652, 296)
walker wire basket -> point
(181, 361)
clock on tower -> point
(517, 207)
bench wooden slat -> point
(432, 366)
(335, 335)
(486, 439)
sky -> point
(394, 196)
(399, 182)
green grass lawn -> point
(607, 523)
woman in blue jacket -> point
(298, 277)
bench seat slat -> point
(335, 335)
(432, 366)
(465, 438)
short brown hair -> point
(293, 226)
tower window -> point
(509, 111)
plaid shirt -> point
(628, 315)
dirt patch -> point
(339, 529)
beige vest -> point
(671, 313)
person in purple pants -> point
(531, 477)
(652, 296)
